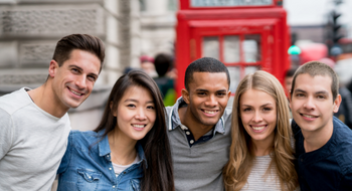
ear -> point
(337, 103)
(112, 109)
(52, 68)
(185, 95)
(228, 94)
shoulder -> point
(82, 138)
(343, 145)
(14, 101)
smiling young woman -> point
(261, 153)
(129, 150)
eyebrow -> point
(318, 92)
(266, 104)
(134, 100)
(81, 69)
(205, 90)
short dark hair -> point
(205, 64)
(158, 172)
(290, 72)
(85, 42)
(163, 63)
(315, 68)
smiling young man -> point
(199, 127)
(34, 124)
(323, 143)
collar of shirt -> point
(174, 119)
(104, 148)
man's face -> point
(288, 84)
(312, 102)
(207, 97)
(74, 80)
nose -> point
(309, 104)
(140, 115)
(257, 117)
(81, 82)
(211, 101)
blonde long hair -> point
(242, 156)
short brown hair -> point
(84, 42)
(315, 68)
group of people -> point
(199, 143)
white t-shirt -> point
(120, 168)
(32, 143)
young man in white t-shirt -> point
(34, 124)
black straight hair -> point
(158, 172)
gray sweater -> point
(198, 167)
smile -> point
(210, 113)
(138, 126)
(75, 92)
(308, 116)
(258, 128)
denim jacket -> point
(87, 166)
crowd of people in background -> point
(271, 138)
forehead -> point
(315, 83)
(256, 97)
(209, 81)
(84, 59)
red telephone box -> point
(246, 35)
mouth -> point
(138, 127)
(210, 113)
(308, 117)
(258, 128)
(76, 93)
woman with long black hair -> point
(129, 150)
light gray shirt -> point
(198, 167)
(32, 143)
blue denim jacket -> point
(87, 166)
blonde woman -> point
(261, 153)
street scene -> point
(175, 95)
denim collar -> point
(174, 118)
(104, 147)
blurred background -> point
(163, 36)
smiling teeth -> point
(210, 112)
(309, 116)
(258, 128)
(138, 126)
(76, 93)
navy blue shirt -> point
(87, 165)
(330, 167)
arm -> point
(6, 133)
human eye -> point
(131, 105)
(151, 107)
(221, 94)
(201, 93)
(321, 96)
(299, 95)
(246, 109)
(267, 108)
(92, 78)
(75, 70)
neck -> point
(317, 139)
(44, 98)
(123, 150)
(263, 147)
(187, 119)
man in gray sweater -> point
(34, 124)
(199, 127)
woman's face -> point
(258, 115)
(135, 113)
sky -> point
(314, 12)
